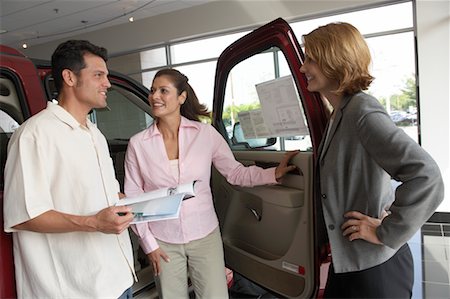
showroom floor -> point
(436, 260)
(431, 273)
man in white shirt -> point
(61, 191)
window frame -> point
(330, 14)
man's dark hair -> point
(70, 55)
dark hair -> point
(191, 109)
(70, 55)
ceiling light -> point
(3, 31)
(131, 19)
(24, 45)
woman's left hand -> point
(361, 226)
(283, 167)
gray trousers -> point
(202, 261)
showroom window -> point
(207, 48)
(153, 58)
(391, 42)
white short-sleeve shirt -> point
(54, 163)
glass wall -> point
(389, 32)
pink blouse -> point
(147, 168)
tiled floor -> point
(436, 260)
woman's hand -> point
(283, 167)
(155, 259)
(360, 226)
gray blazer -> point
(363, 152)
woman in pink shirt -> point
(177, 148)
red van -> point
(269, 232)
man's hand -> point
(113, 220)
(106, 221)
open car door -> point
(269, 231)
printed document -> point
(281, 113)
(161, 204)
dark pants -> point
(392, 279)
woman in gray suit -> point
(362, 150)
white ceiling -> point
(39, 21)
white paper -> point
(161, 204)
(280, 115)
(157, 209)
(252, 124)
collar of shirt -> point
(67, 118)
(185, 123)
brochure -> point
(161, 204)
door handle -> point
(255, 213)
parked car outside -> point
(403, 118)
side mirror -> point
(239, 139)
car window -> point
(124, 116)
(256, 99)
(7, 123)
(11, 113)
(261, 108)
(10, 118)
(7, 126)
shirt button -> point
(331, 227)
(324, 196)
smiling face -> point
(91, 83)
(338, 52)
(317, 81)
(164, 98)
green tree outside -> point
(230, 112)
(406, 98)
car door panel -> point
(264, 228)
(268, 231)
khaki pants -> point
(204, 262)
